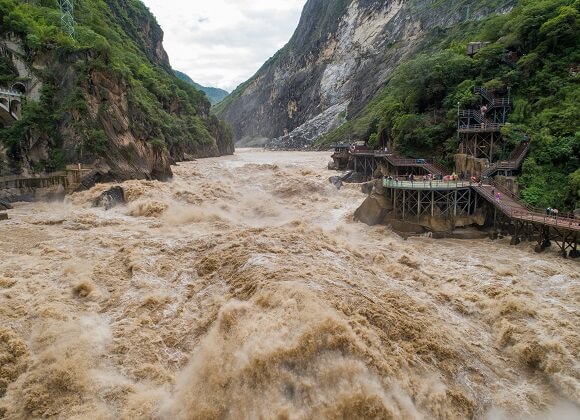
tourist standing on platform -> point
(483, 111)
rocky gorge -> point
(340, 56)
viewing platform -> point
(451, 200)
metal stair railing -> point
(491, 99)
(487, 172)
(515, 160)
(473, 114)
(436, 168)
(520, 153)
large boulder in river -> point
(373, 210)
(111, 198)
(353, 178)
(5, 205)
(336, 181)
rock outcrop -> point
(5, 205)
(470, 165)
(339, 57)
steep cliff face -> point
(108, 96)
(341, 54)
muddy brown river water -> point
(244, 290)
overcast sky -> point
(222, 43)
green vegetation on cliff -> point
(116, 61)
(416, 112)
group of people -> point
(429, 177)
(436, 177)
(552, 212)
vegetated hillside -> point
(108, 95)
(215, 95)
(416, 112)
(340, 55)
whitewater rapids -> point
(243, 290)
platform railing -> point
(480, 127)
(404, 183)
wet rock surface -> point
(96, 176)
(5, 204)
(111, 198)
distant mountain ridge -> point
(215, 95)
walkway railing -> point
(10, 92)
(470, 113)
(479, 128)
(428, 164)
(70, 177)
(556, 221)
(370, 152)
(424, 184)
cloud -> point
(222, 43)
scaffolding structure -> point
(439, 201)
(480, 131)
(67, 16)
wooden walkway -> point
(513, 208)
(69, 179)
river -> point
(243, 289)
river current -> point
(244, 290)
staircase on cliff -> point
(479, 130)
(511, 165)
(480, 133)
